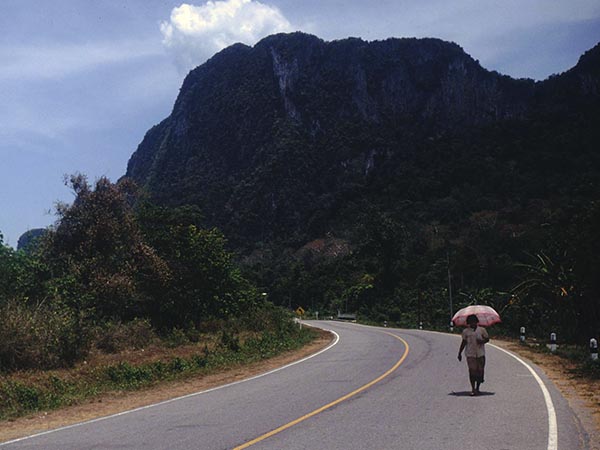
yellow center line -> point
(330, 405)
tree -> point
(204, 283)
(7, 271)
(98, 259)
(18, 274)
(561, 284)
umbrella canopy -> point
(486, 314)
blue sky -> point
(82, 81)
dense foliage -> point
(108, 261)
(390, 178)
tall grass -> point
(37, 337)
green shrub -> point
(27, 396)
(178, 365)
(176, 338)
(126, 375)
(200, 361)
(15, 395)
(230, 341)
(159, 369)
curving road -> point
(374, 388)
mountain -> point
(295, 138)
(28, 239)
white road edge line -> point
(122, 413)
(552, 424)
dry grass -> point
(116, 402)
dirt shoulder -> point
(123, 401)
(582, 394)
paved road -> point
(374, 389)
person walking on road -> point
(473, 343)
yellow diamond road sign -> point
(300, 311)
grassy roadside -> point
(23, 393)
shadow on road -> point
(468, 394)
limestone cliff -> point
(277, 140)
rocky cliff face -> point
(272, 139)
(315, 84)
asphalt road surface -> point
(373, 388)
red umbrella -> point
(486, 314)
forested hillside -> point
(364, 175)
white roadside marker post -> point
(594, 349)
(522, 335)
(552, 342)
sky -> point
(81, 81)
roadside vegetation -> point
(122, 293)
(129, 357)
(543, 277)
(114, 280)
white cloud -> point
(194, 33)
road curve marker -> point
(333, 403)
